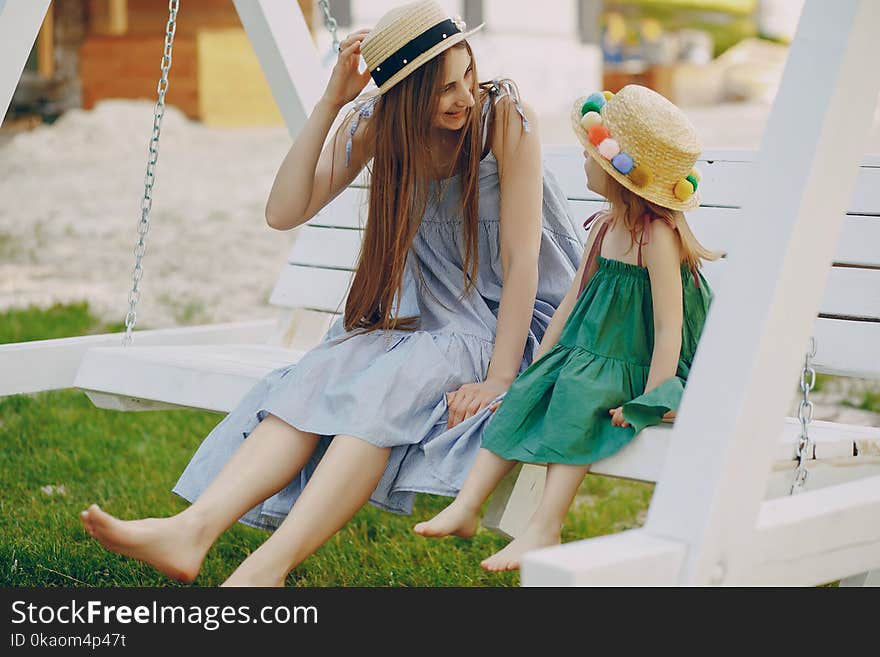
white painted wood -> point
(850, 291)
(756, 331)
(628, 558)
(213, 377)
(709, 493)
(28, 367)
(871, 578)
(348, 210)
(326, 247)
(718, 228)
(814, 537)
(841, 453)
(282, 42)
(725, 178)
(20, 22)
(312, 287)
(525, 483)
(811, 538)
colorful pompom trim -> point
(641, 176)
(623, 163)
(609, 149)
(598, 134)
(590, 119)
(683, 189)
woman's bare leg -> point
(266, 461)
(342, 483)
(545, 526)
(461, 517)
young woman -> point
(467, 251)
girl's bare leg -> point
(342, 483)
(176, 546)
(545, 527)
(462, 516)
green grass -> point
(128, 463)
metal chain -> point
(150, 178)
(330, 23)
(805, 415)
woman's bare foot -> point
(456, 520)
(170, 545)
(509, 557)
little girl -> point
(616, 355)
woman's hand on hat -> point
(471, 398)
(346, 80)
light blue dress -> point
(389, 388)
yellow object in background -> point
(233, 91)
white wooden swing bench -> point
(212, 367)
(313, 284)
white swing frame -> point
(708, 522)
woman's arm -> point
(521, 177)
(663, 259)
(310, 177)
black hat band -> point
(412, 49)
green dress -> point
(556, 411)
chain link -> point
(805, 415)
(140, 248)
(330, 23)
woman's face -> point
(456, 98)
(596, 175)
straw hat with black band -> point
(644, 142)
(408, 36)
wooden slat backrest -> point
(321, 261)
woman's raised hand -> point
(346, 81)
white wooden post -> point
(20, 22)
(706, 505)
(281, 39)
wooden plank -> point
(628, 558)
(30, 367)
(128, 67)
(348, 210)
(814, 537)
(720, 228)
(847, 348)
(20, 22)
(213, 378)
(311, 287)
(725, 182)
(326, 247)
(715, 476)
(110, 17)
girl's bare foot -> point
(509, 557)
(456, 520)
(170, 545)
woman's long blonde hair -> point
(400, 174)
(629, 208)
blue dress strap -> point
(363, 109)
(499, 88)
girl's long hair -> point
(629, 208)
(399, 133)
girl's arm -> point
(310, 177)
(521, 178)
(560, 317)
(663, 259)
